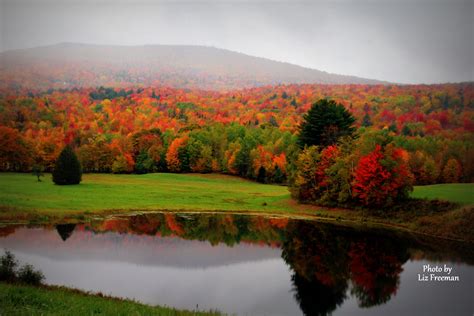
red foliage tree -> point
(382, 177)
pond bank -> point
(457, 225)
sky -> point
(418, 41)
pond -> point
(249, 265)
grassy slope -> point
(27, 300)
(23, 198)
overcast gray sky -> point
(419, 41)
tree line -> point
(251, 133)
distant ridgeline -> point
(79, 65)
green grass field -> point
(28, 300)
(159, 191)
(164, 191)
(462, 193)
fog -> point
(417, 41)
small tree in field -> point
(38, 171)
(68, 168)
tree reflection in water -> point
(326, 262)
(65, 230)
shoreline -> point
(323, 215)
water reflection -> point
(65, 230)
(246, 265)
(328, 262)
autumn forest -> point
(160, 129)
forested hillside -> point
(251, 133)
(80, 65)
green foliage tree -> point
(303, 186)
(278, 175)
(324, 124)
(144, 163)
(68, 168)
(242, 161)
(120, 165)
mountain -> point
(81, 65)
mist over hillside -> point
(71, 65)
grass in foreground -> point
(28, 300)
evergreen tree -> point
(366, 121)
(183, 156)
(273, 121)
(393, 128)
(278, 175)
(406, 131)
(325, 123)
(293, 103)
(262, 175)
(68, 168)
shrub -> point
(8, 266)
(27, 274)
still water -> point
(250, 265)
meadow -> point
(157, 191)
(167, 191)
